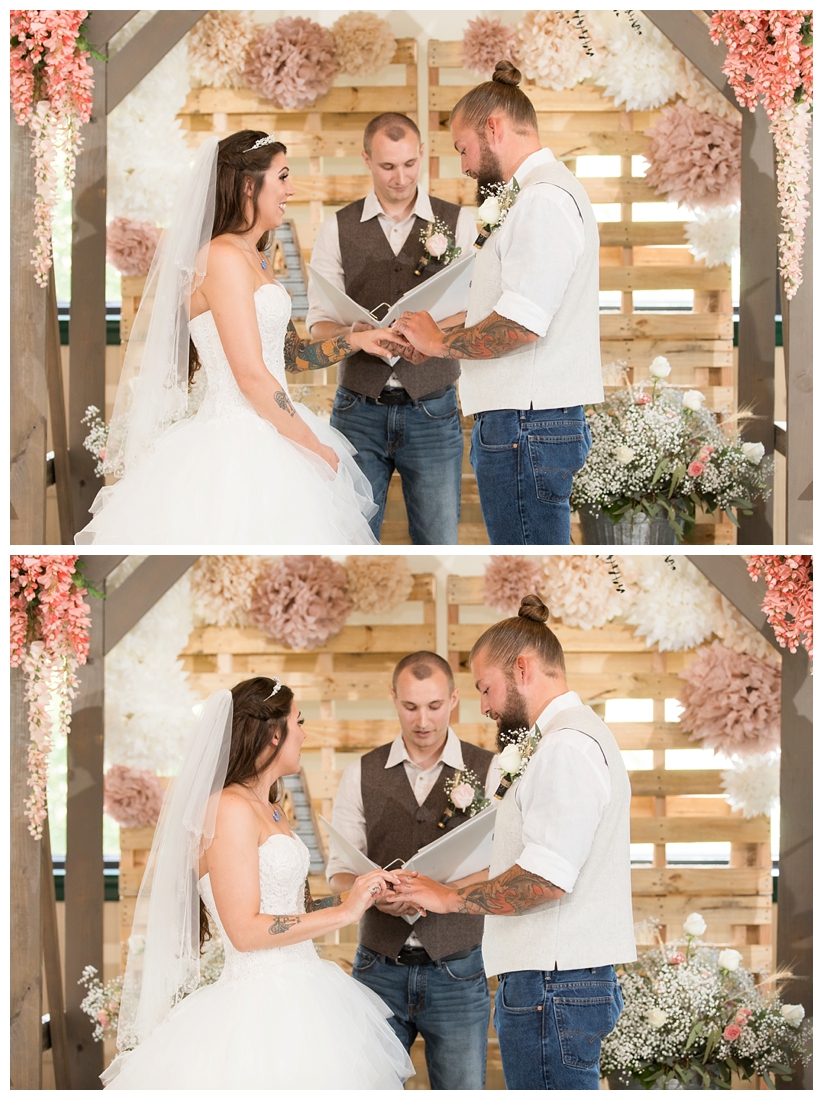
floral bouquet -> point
(466, 794)
(693, 1016)
(663, 453)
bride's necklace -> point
(275, 813)
(264, 264)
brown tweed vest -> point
(395, 828)
(373, 274)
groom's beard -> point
(489, 173)
(514, 717)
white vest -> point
(592, 925)
(563, 367)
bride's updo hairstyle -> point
(238, 162)
(503, 643)
(498, 95)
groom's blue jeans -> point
(423, 441)
(550, 1024)
(445, 1002)
(524, 462)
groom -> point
(558, 903)
(532, 327)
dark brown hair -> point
(498, 94)
(503, 643)
(423, 665)
(256, 716)
(237, 162)
(395, 126)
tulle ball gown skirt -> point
(235, 480)
(306, 1025)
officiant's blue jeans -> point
(445, 1002)
(423, 441)
(524, 462)
(550, 1024)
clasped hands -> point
(415, 893)
(413, 336)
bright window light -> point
(629, 710)
(674, 708)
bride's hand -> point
(366, 889)
(328, 454)
(384, 342)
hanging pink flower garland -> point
(49, 640)
(51, 93)
(789, 599)
(770, 56)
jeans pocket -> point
(466, 970)
(442, 408)
(582, 1024)
(522, 991)
(343, 402)
(555, 460)
(363, 960)
(497, 431)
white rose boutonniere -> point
(438, 244)
(466, 794)
(494, 208)
(515, 756)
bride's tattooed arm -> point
(304, 355)
(283, 924)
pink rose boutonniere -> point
(466, 795)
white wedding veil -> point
(164, 948)
(153, 388)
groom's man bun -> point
(532, 607)
(500, 95)
(527, 632)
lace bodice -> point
(284, 864)
(223, 397)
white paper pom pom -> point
(714, 235)
(642, 71)
(753, 785)
(674, 607)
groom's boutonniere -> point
(438, 244)
(516, 755)
(466, 794)
(495, 208)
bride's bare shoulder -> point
(226, 257)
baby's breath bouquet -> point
(694, 1016)
(657, 450)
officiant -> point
(389, 804)
(403, 418)
(532, 330)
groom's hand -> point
(427, 894)
(423, 333)
(396, 906)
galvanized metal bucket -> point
(632, 530)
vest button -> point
(420, 817)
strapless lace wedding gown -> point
(226, 475)
(280, 1018)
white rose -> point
(660, 367)
(510, 759)
(624, 455)
(463, 796)
(489, 212)
(436, 245)
(729, 959)
(753, 452)
(693, 399)
(656, 1017)
(694, 925)
(793, 1014)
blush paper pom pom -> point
(551, 51)
(580, 592)
(130, 245)
(379, 584)
(507, 579)
(301, 601)
(694, 158)
(222, 587)
(487, 41)
(132, 797)
(218, 44)
(291, 62)
(363, 43)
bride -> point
(278, 1017)
(251, 466)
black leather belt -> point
(395, 396)
(419, 956)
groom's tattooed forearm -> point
(515, 891)
(282, 924)
(282, 400)
(488, 339)
(303, 355)
(322, 903)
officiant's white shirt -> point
(561, 795)
(328, 261)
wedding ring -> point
(374, 890)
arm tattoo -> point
(282, 400)
(303, 355)
(282, 924)
(488, 339)
(322, 903)
(515, 891)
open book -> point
(457, 853)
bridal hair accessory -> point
(270, 140)
(277, 685)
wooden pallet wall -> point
(674, 806)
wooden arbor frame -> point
(32, 344)
(111, 620)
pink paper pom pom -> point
(130, 245)
(485, 42)
(301, 601)
(694, 157)
(508, 578)
(292, 62)
(132, 797)
(731, 701)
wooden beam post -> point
(84, 855)
(57, 411)
(27, 322)
(130, 601)
(729, 574)
(52, 967)
(798, 325)
(24, 919)
(140, 54)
